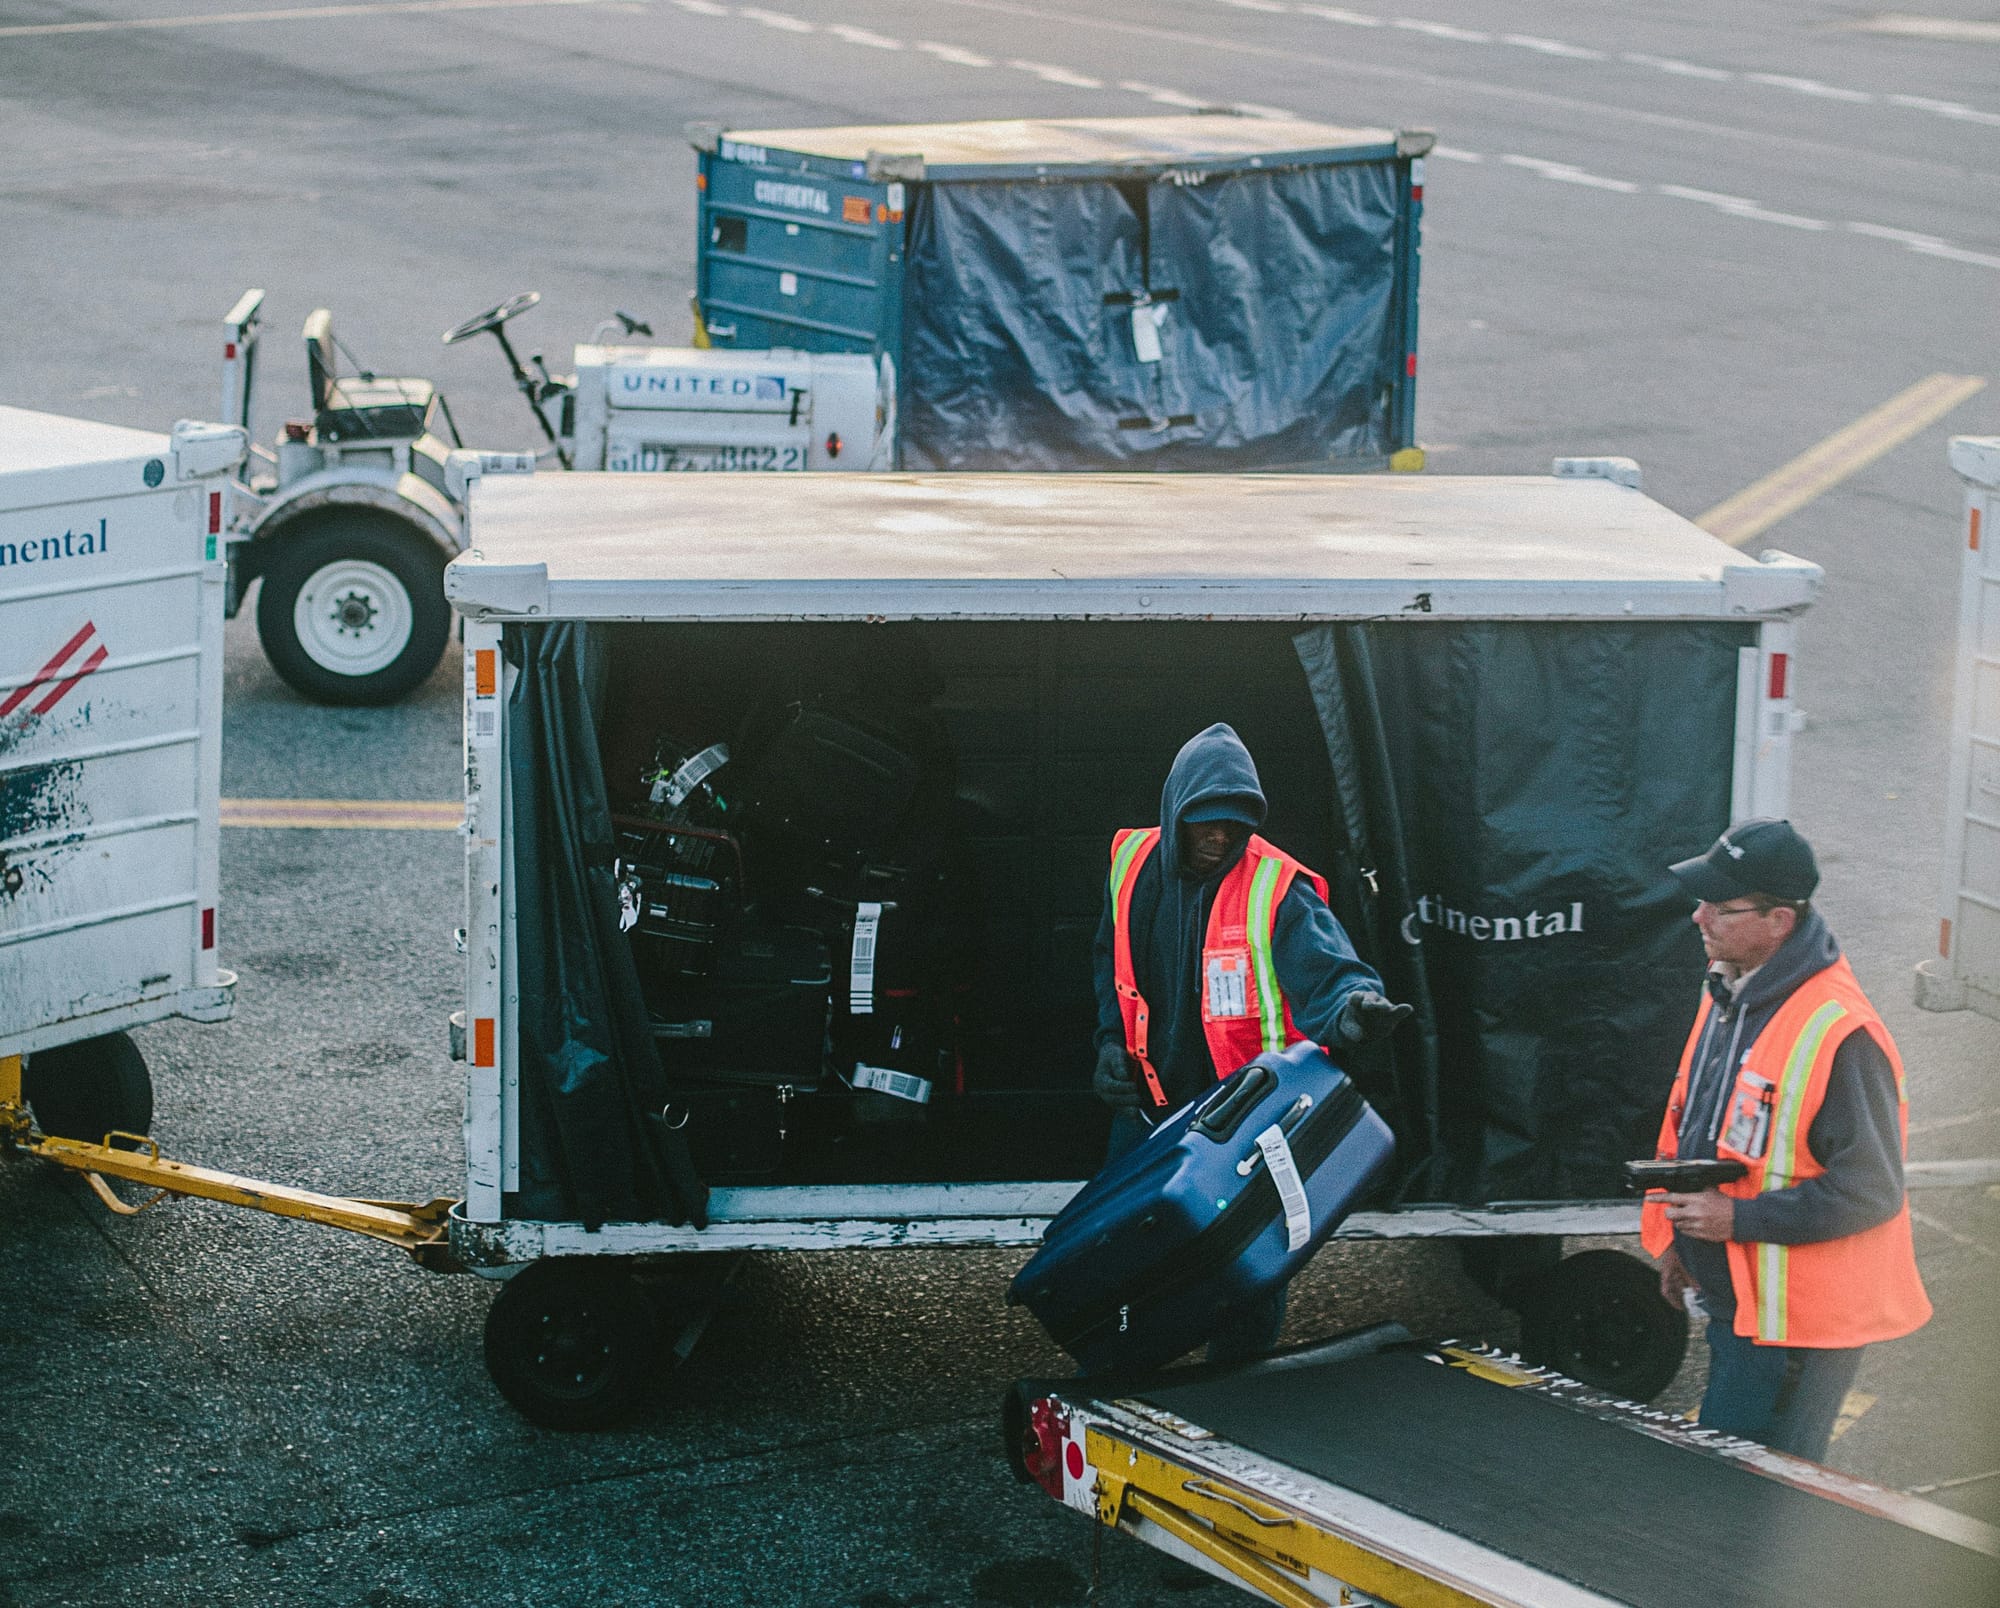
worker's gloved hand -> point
(1114, 1082)
(1367, 1016)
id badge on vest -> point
(1749, 1130)
(1226, 976)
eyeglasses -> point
(1739, 910)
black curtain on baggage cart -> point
(1517, 790)
(593, 1148)
(1279, 321)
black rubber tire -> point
(1599, 1318)
(410, 556)
(90, 1088)
(571, 1343)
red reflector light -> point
(228, 351)
(833, 445)
(1780, 663)
(1410, 365)
(482, 1041)
(1416, 192)
(208, 928)
(1972, 536)
(1042, 1447)
(214, 512)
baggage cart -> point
(1966, 971)
(1372, 1470)
(1600, 685)
(111, 607)
(1194, 292)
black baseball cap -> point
(1755, 856)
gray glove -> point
(1367, 1016)
(1114, 1081)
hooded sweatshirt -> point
(1856, 1135)
(1317, 967)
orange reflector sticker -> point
(1944, 937)
(482, 1041)
(484, 675)
(854, 209)
(1972, 540)
(701, 181)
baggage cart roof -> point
(1017, 546)
(31, 441)
(1077, 146)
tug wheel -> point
(571, 1342)
(1599, 1318)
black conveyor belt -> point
(1617, 1512)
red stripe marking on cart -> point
(482, 1041)
(62, 688)
(1779, 664)
(214, 513)
(208, 928)
(1972, 539)
(19, 695)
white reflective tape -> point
(861, 967)
(1291, 1187)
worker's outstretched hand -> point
(1113, 1082)
(1367, 1016)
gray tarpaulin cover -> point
(1512, 794)
(1277, 334)
(592, 1147)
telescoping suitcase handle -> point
(1228, 1106)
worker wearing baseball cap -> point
(1807, 1258)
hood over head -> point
(1213, 779)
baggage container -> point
(1187, 292)
(1966, 971)
(1489, 710)
(1222, 1203)
(111, 594)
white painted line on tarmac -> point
(784, 21)
(863, 37)
(1553, 47)
(1050, 74)
(1443, 30)
(218, 19)
(1738, 206)
(957, 55)
(1948, 29)
(1952, 1234)
(1452, 153)
(1163, 97)
(1569, 173)
(1354, 19)
(1810, 86)
(1681, 69)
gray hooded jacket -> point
(1317, 966)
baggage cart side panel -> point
(486, 847)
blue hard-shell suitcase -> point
(1224, 1201)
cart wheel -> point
(1599, 1318)
(90, 1088)
(570, 1342)
(352, 610)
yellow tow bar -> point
(136, 1159)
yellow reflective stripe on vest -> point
(1121, 863)
(1257, 929)
(1781, 1165)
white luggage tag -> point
(861, 968)
(1291, 1187)
(673, 790)
(902, 1085)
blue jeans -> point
(1787, 1397)
(1244, 1332)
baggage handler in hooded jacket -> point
(1215, 946)
(1807, 1258)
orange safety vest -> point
(1851, 1291)
(1243, 1010)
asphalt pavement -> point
(1704, 237)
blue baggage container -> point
(1198, 292)
(1223, 1202)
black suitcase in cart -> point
(1225, 1200)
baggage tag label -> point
(861, 967)
(903, 1085)
(1291, 1187)
(1228, 974)
(673, 790)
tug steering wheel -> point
(492, 318)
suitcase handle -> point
(1234, 1101)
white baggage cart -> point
(111, 600)
(1017, 553)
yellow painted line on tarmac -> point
(346, 814)
(1755, 509)
(1852, 1407)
